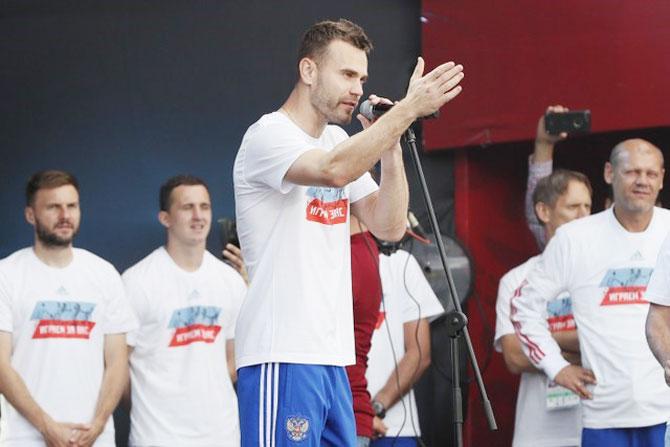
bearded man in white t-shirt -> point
(604, 262)
(297, 178)
(182, 355)
(63, 320)
(546, 415)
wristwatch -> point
(380, 410)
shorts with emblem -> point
(286, 404)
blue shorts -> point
(652, 436)
(285, 404)
(400, 441)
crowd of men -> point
(320, 357)
(175, 332)
(572, 320)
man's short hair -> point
(48, 180)
(621, 148)
(165, 194)
(317, 37)
(550, 188)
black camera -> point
(228, 232)
(573, 122)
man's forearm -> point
(356, 155)
(567, 340)
(389, 218)
(114, 380)
(658, 332)
(401, 380)
(17, 394)
(113, 385)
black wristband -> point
(380, 410)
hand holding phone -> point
(571, 122)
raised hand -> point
(542, 136)
(426, 94)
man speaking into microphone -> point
(297, 177)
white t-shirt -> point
(605, 269)
(180, 387)
(295, 242)
(658, 291)
(534, 424)
(58, 318)
(407, 297)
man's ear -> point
(164, 218)
(608, 172)
(662, 176)
(29, 214)
(543, 212)
(308, 70)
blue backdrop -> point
(127, 93)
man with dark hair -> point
(558, 198)
(604, 262)
(297, 178)
(63, 320)
(187, 301)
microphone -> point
(415, 229)
(372, 111)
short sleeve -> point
(269, 151)
(658, 290)
(6, 316)
(119, 317)
(420, 300)
(139, 305)
(504, 326)
(238, 292)
(362, 187)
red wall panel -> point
(522, 55)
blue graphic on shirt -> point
(627, 277)
(325, 194)
(559, 307)
(62, 310)
(189, 316)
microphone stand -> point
(457, 322)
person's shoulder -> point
(337, 131)
(145, 265)
(15, 260)
(93, 261)
(663, 214)
(585, 227)
(221, 269)
(215, 263)
(269, 121)
(516, 275)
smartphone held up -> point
(572, 122)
